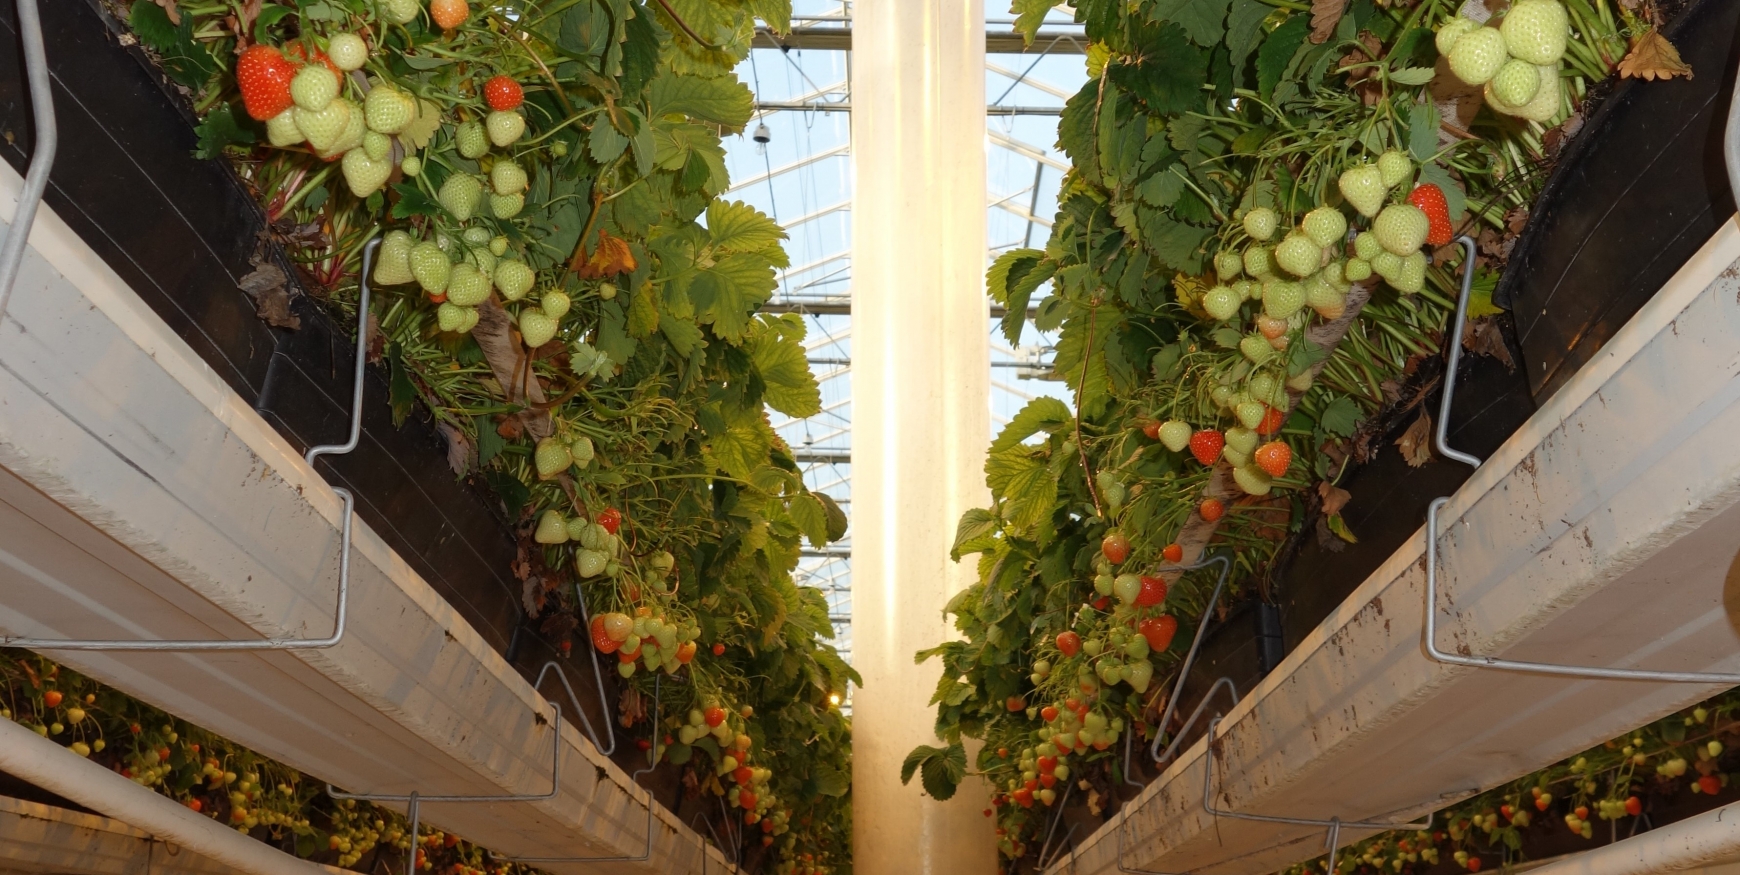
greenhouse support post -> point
(921, 398)
(40, 761)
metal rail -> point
(340, 613)
(42, 159)
(1429, 632)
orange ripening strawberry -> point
(1430, 199)
(449, 14)
(1206, 445)
(503, 94)
(299, 54)
(1272, 419)
(1211, 509)
(264, 75)
(1274, 457)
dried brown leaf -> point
(460, 453)
(1416, 442)
(507, 361)
(1653, 57)
(270, 289)
(1325, 15)
(1334, 498)
(377, 340)
(1484, 337)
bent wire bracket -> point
(650, 803)
(416, 800)
(597, 676)
(1334, 825)
(1171, 751)
(41, 159)
(1225, 563)
(1429, 631)
(340, 613)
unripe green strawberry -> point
(1234, 458)
(1256, 348)
(1411, 276)
(1543, 107)
(460, 195)
(505, 127)
(1454, 30)
(1283, 299)
(400, 11)
(1364, 188)
(347, 51)
(1258, 261)
(1366, 245)
(412, 165)
(1402, 228)
(498, 245)
(555, 304)
(506, 206)
(466, 286)
(1298, 256)
(1325, 299)
(430, 267)
(314, 87)
(475, 236)
(1476, 57)
(1386, 264)
(506, 177)
(1251, 412)
(591, 563)
(1221, 303)
(1516, 83)
(354, 129)
(1395, 168)
(577, 528)
(1253, 480)
(387, 110)
(471, 317)
(450, 316)
(1326, 227)
(393, 259)
(1335, 273)
(485, 262)
(1358, 269)
(1248, 290)
(363, 174)
(1261, 223)
(1265, 388)
(1228, 264)
(536, 328)
(552, 529)
(513, 279)
(472, 140)
(581, 450)
(1536, 31)
(1175, 434)
(323, 129)
(378, 146)
(1242, 439)
(281, 129)
(1222, 396)
(552, 457)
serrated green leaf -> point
(942, 775)
(1203, 20)
(738, 227)
(1168, 79)
(727, 294)
(743, 444)
(1277, 52)
(1025, 484)
(1043, 413)
(1244, 31)
(811, 519)
(218, 131)
(974, 533)
(1412, 75)
(723, 100)
(915, 759)
(1340, 417)
(831, 781)
(683, 335)
(1423, 120)
(1077, 129)
(423, 125)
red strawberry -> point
(1430, 199)
(611, 519)
(1633, 806)
(1048, 713)
(1274, 457)
(1710, 785)
(1172, 553)
(503, 94)
(301, 55)
(1211, 509)
(1271, 422)
(1159, 631)
(1068, 643)
(1116, 548)
(1206, 445)
(1153, 592)
(264, 75)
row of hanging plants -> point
(561, 288)
(1253, 256)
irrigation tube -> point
(1711, 837)
(48, 765)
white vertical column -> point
(921, 408)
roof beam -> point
(839, 39)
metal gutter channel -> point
(1603, 533)
(140, 497)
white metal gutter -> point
(1709, 842)
(140, 497)
(1604, 533)
(60, 841)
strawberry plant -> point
(1252, 256)
(562, 290)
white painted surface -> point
(921, 401)
(139, 496)
(1604, 532)
(1708, 844)
(38, 839)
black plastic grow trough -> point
(181, 232)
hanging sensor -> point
(762, 134)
